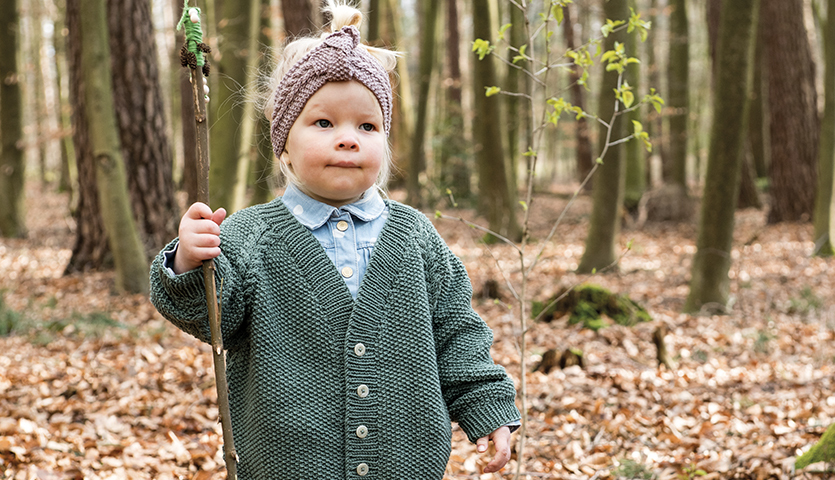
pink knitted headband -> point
(337, 59)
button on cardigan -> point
(299, 389)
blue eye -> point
(367, 127)
(323, 123)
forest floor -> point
(95, 385)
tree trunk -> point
(497, 199)
(401, 115)
(226, 108)
(123, 236)
(635, 169)
(655, 120)
(429, 10)
(826, 153)
(12, 162)
(373, 21)
(583, 158)
(140, 113)
(709, 284)
(794, 122)
(754, 148)
(455, 169)
(90, 251)
(66, 182)
(678, 100)
(604, 225)
(262, 181)
(298, 18)
(518, 113)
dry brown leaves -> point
(99, 386)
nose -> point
(347, 141)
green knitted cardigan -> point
(307, 400)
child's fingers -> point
(219, 215)
(481, 444)
(501, 440)
(199, 210)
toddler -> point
(351, 340)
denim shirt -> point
(347, 233)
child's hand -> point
(501, 439)
(199, 237)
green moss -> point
(587, 304)
(822, 451)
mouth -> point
(345, 164)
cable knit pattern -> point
(338, 59)
(308, 401)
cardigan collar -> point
(313, 214)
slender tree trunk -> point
(497, 199)
(518, 108)
(11, 127)
(678, 99)
(583, 154)
(401, 117)
(604, 226)
(794, 122)
(429, 10)
(709, 284)
(826, 152)
(123, 236)
(66, 182)
(226, 108)
(455, 169)
(655, 121)
(635, 182)
(140, 114)
(373, 21)
(262, 171)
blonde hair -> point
(342, 15)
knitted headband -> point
(337, 59)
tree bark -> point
(794, 122)
(298, 18)
(497, 198)
(226, 107)
(635, 169)
(583, 154)
(140, 113)
(826, 152)
(709, 284)
(12, 162)
(607, 195)
(123, 237)
(678, 100)
(455, 168)
(428, 12)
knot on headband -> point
(338, 58)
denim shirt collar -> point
(313, 214)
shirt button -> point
(362, 391)
(347, 272)
(362, 431)
(359, 349)
(362, 469)
(342, 225)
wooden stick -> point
(212, 303)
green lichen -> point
(822, 451)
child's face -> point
(337, 144)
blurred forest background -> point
(730, 208)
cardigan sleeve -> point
(479, 394)
(181, 299)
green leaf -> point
(524, 205)
(482, 48)
(599, 161)
(556, 11)
(438, 214)
(628, 98)
(503, 30)
(637, 127)
(529, 153)
(492, 91)
(521, 55)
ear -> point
(285, 158)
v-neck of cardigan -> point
(322, 277)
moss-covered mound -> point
(593, 306)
